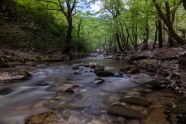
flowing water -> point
(21, 99)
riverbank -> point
(96, 93)
(166, 62)
(12, 59)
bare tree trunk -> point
(155, 36)
(68, 39)
(129, 37)
(168, 24)
(146, 37)
(125, 43)
(118, 41)
(79, 28)
(160, 34)
(168, 16)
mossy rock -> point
(43, 118)
(146, 62)
(104, 73)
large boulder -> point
(125, 112)
(136, 101)
(104, 73)
(129, 69)
(169, 53)
(148, 64)
(99, 68)
(14, 75)
(100, 71)
(76, 66)
(156, 84)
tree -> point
(67, 7)
(115, 7)
(184, 4)
(168, 23)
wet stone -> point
(136, 101)
(125, 112)
(75, 66)
(130, 69)
(118, 74)
(98, 81)
(96, 121)
(77, 72)
(67, 113)
(68, 88)
(43, 118)
(148, 64)
(93, 65)
(99, 68)
(78, 118)
(167, 53)
(104, 73)
(14, 75)
(156, 84)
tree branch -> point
(62, 8)
(73, 5)
(48, 1)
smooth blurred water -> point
(22, 99)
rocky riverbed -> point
(167, 62)
(98, 94)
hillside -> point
(28, 30)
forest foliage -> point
(119, 25)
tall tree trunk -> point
(168, 16)
(68, 39)
(146, 37)
(160, 34)
(129, 36)
(79, 28)
(125, 43)
(118, 41)
(168, 24)
(155, 36)
(184, 4)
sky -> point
(96, 6)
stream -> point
(22, 99)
